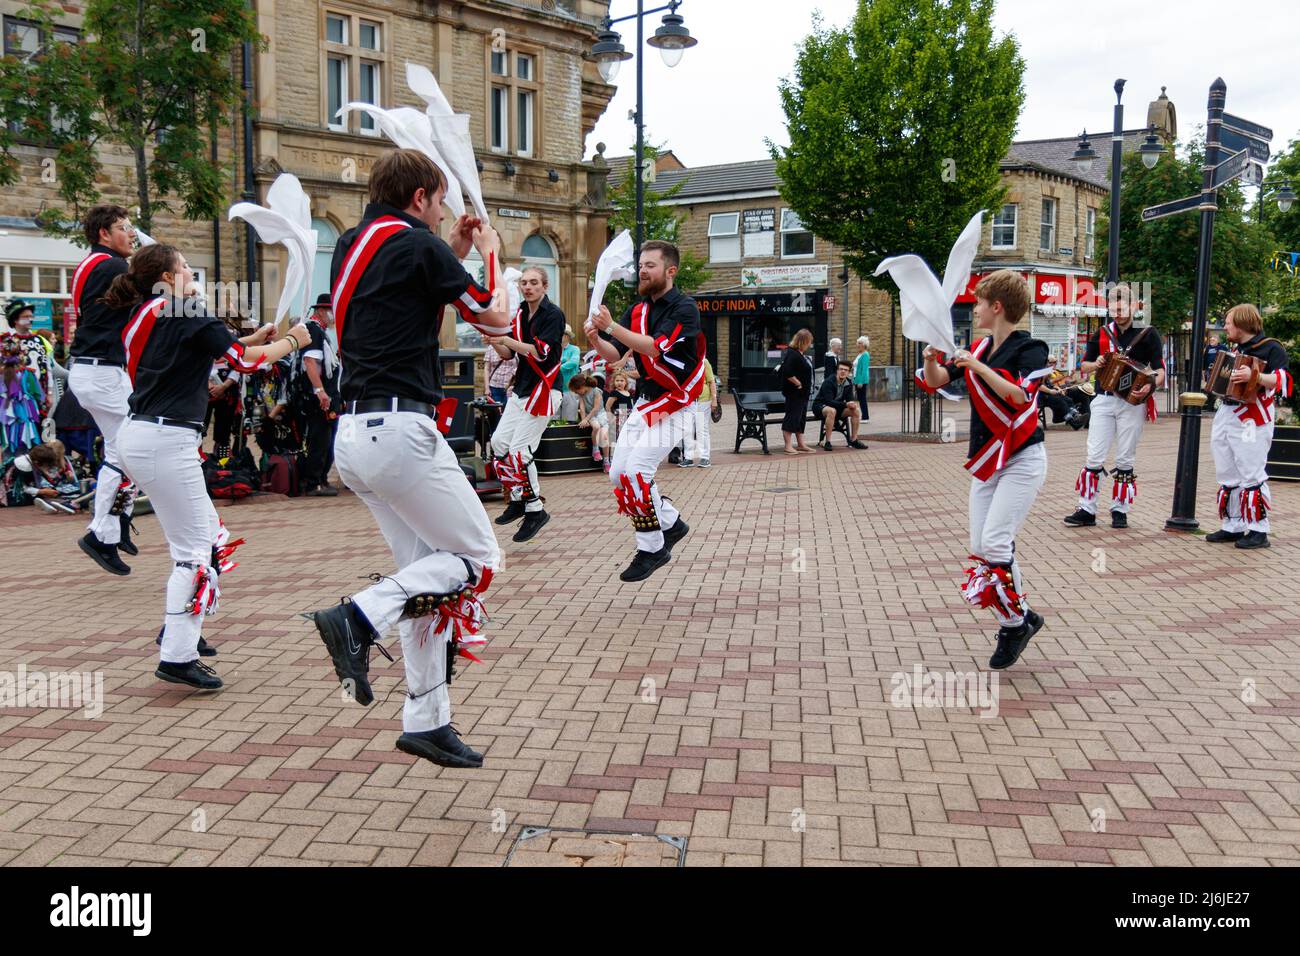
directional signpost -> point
(1230, 169)
(1247, 128)
(1234, 142)
(1170, 208)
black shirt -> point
(316, 350)
(171, 377)
(388, 336)
(673, 312)
(1270, 351)
(1142, 345)
(1020, 355)
(546, 331)
(834, 393)
(794, 364)
(99, 327)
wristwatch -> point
(318, 391)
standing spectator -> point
(699, 439)
(35, 352)
(796, 374)
(834, 401)
(500, 373)
(862, 374)
(570, 360)
(1211, 351)
(832, 359)
(224, 401)
(20, 402)
(319, 409)
(591, 411)
(618, 406)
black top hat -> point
(16, 306)
(323, 301)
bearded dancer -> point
(536, 336)
(661, 331)
(1008, 461)
(391, 278)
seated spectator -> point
(835, 401)
(592, 413)
(1064, 400)
(43, 477)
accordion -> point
(1123, 376)
(1221, 384)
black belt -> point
(371, 405)
(174, 422)
(81, 360)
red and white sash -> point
(1011, 425)
(1109, 342)
(135, 334)
(475, 300)
(82, 273)
(539, 400)
(355, 262)
(677, 395)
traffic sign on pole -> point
(1230, 169)
(1171, 208)
(1247, 127)
(1234, 142)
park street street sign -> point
(1230, 168)
(1233, 142)
(1171, 208)
(1247, 128)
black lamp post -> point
(1285, 199)
(671, 39)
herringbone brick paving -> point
(741, 697)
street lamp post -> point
(1285, 199)
(671, 40)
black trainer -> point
(126, 545)
(1013, 640)
(442, 746)
(827, 445)
(857, 443)
(105, 555)
(1081, 519)
(1220, 536)
(1118, 519)
(1254, 539)
(678, 531)
(533, 522)
(194, 673)
(514, 511)
(646, 563)
(323, 491)
(348, 636)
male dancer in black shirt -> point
(99, 380)
(661, 331)
(391, 278)
(319, 392)
(1114, 420)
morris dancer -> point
(1243, 433)
(1114, 420)
(661, 331)
(536, 337)
(1008, 461)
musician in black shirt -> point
(170, 343)
(1114, 420)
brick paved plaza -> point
(740, 699)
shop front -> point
(747, 332)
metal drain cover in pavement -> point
(569, 846)
(780, 490)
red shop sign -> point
(1050, 289)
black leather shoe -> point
(205, 649)
(827, 445)
(1221, 536)
(533, 522)
(348, 636)
(105, 555)
(1081, 519)
(857, 443)
(514, 511)
(1118, 519)
(646, 563)
(195, 674)
(126, 546)
(442, 746)
(323, 491)
(674, 534)
(1254, 539)
(1013, 640)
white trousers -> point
(105, 392)
(520, 431)
(1240, 460)
(999, 506)
(699, 440)
(164, 461)
(1112, 420)
(639, 451)
(402, 468)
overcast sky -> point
(719, 103)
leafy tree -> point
(897, 125)
(661, 222)
(1163, 252)
(156, 77)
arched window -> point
(538, 251)
(327, 238)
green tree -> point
(661, 222)
(1163, 252)
(897, 125)
(1283, 231)
(156, 77)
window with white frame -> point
(25, 40)
(1004, 226)
(513, 87)
(356, 59)
(1090, 233)
(724, 237)
(796, 241)
(1047, 227)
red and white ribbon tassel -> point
(207, 592)
(991, 587)
(629, 502)
(224, 548)
(1255, 503)
(1225, 500)
(1124, 491)
(1087, 483)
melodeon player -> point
(1243, 432)
(1114, 420)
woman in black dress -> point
(796, 373)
